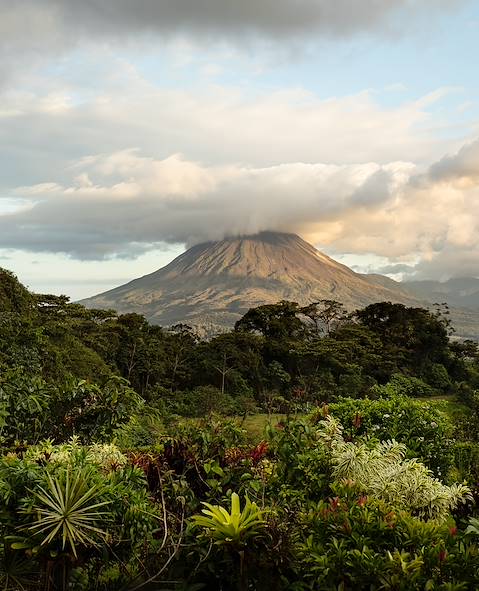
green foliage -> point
(273, 320)
(355, 542)
(32, 409)
(382, 471)
(419, 425)
(207, 438)
(402, 385)
(24, 406)
(67, 510)
(14, 297)
(60, 505)
(235, 527)
(17, 572)
(94, 412)
(110, 497)
(144, 429)
(437, 375)
(302, 468)
(199, 402)
(466, 461)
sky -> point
(132, 129)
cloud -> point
(433, 218)
(43, 132)
(250, 160)
(329, 168)
(33, 32)
(462, 167)
(56, 22)
(125, 203)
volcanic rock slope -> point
(213, 284)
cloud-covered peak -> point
(125, 203)
(125, 126)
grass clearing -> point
(255, 424)
(449, 405)
(445, 403)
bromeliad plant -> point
(70, 510)
(235, 531)
(235, 527)
(67, 511)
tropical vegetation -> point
(128, 461)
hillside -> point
(211, 285)
(214, 283)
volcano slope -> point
(213, 284)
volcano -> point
(213, 284)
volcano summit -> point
(213, 284)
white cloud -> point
(43, 131)
(433, 219)
(125, 203)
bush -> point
(466, 461)
(91, 411)
(60, 504)
(402, 385)
(144, 430)
(24, 407)
(437, 375)
(199, 402)
(423, 429)
(355, 542)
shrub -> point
(59, 505)
(422, 428)
(24, 407)
(355, 542)
(437, 375)
(402, 385)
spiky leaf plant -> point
(67, 511)
(234, 527)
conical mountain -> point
(213, 284)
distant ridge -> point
(213, 284)
(460, 291)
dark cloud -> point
(56, 22)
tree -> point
(274, 321)
(411, 337)
(325, 315)
(181, 341)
